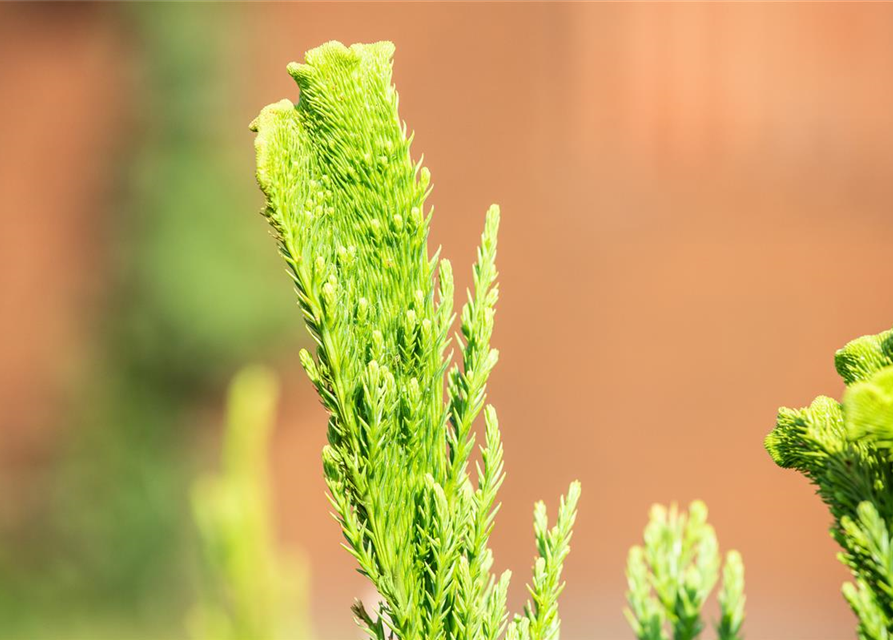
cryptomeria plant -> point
(347, 204)
(672, 575)
(844, 448)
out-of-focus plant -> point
(671, 576)
(845, 450)
(250, 591)
(182, 316)
(347, 204)
(112, 546)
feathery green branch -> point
(347, 204)
(672, 575)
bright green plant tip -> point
(347, 204)
(869, 409)
(731, 598)
(671, 576)
(845, 450)
(865, 356)
(802, 437)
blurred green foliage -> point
(672, 574)
(192, 294)
(250, 590)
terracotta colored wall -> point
(696, 203)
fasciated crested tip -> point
(869, 408)
(861, 358)
(804, 436)
(269, 112)
(335, 52)
(771, 444)
(267, 147)
(778, 441)
(297, 70)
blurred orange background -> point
(696, 213)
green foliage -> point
(672, 575)
(179, 316)
(731, 598)
(182, 315)
(540, 619)
(347, 204)
(845, 450)
(248, 589)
